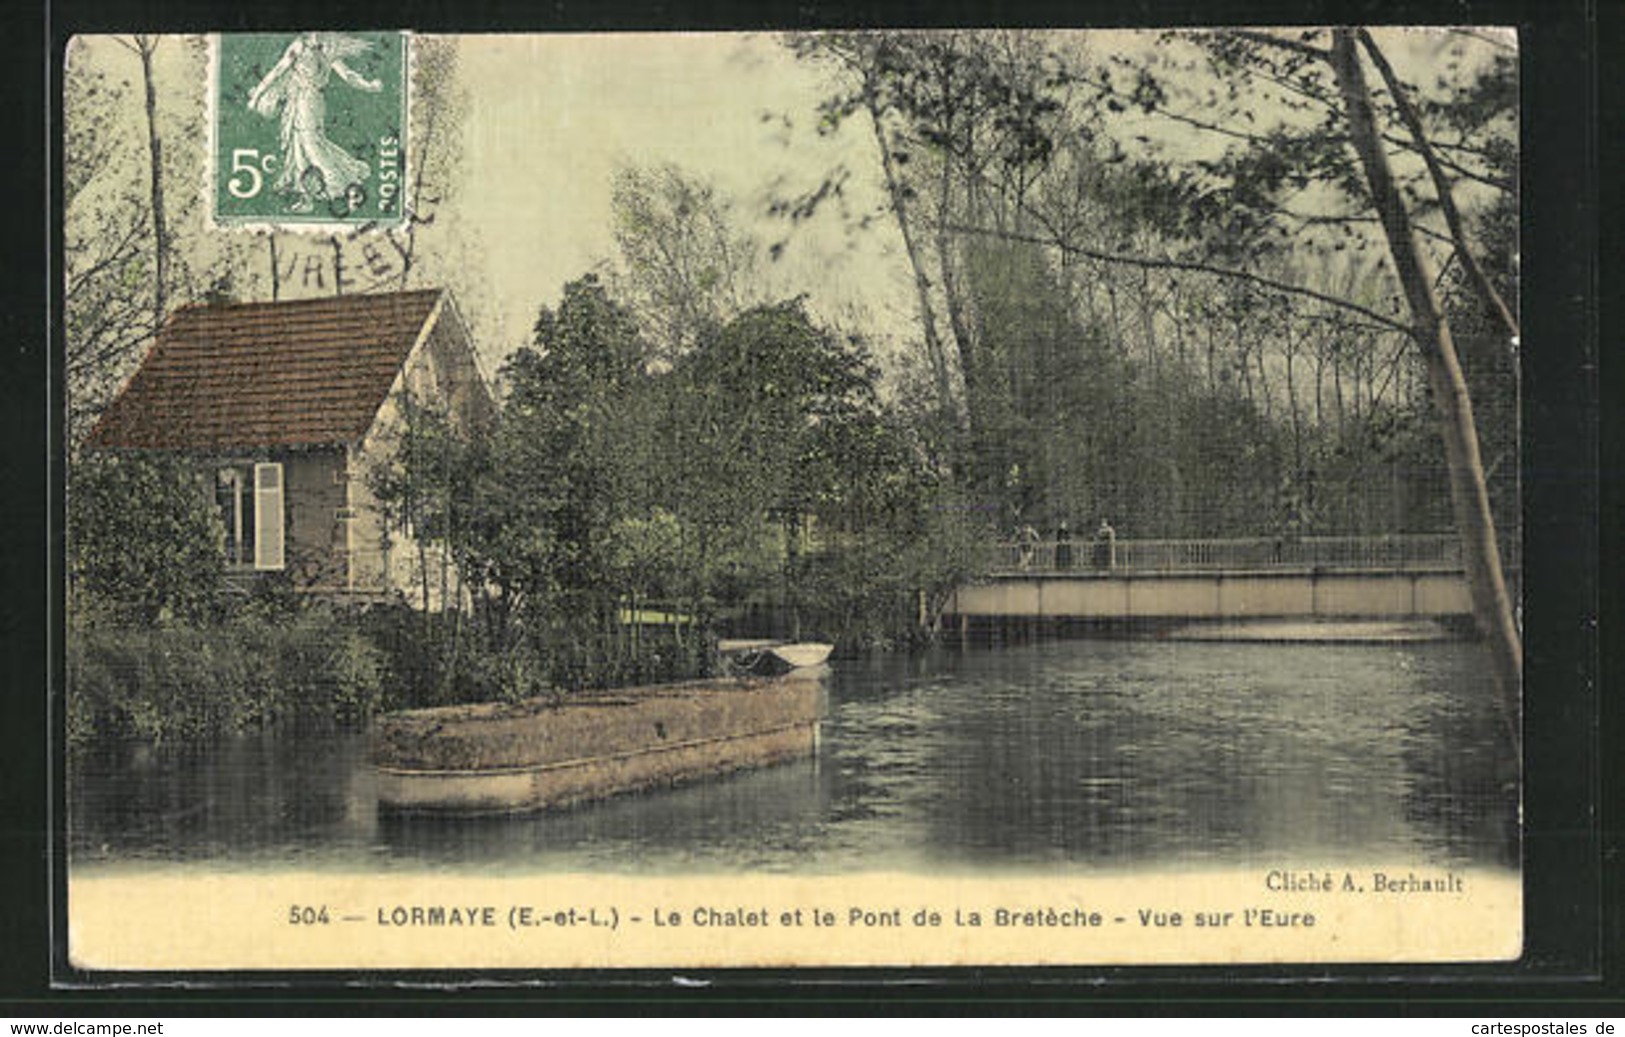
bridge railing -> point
(1399, 551)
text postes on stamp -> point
(309, 129)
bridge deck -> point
(1423, 550)
(1321, 578)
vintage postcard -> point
(894, 498)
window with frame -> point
(250, 497)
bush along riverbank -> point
(316, 665)
(185, 684)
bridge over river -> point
(1162, 583)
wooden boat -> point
(768, 657)
(534, 755)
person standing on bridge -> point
(1063, 546)
(1026, 547)
(1105, 547)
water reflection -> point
(1082, 754)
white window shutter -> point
(268, 522)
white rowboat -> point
(793, 655)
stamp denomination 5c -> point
(309, 129)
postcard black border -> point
(1574, 918)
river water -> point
(1075, 755)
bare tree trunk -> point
(1148, 324)
(1320, 375)
(1292, 402)
(276, 272)
(1117, 321)
(953, 298)
(922, 282)
(1357, 382)
(1337, 389)
(1177, 310)
(144, 48)
(338, 266)
(1212, 374)
(1264, 385)
(1244, 367)
(1441, 185)
(1492, 606)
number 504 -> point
(248, 171)
(306, 915)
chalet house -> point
(286, 407)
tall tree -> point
(107, 266)
(568, 398)
(781, 432)
(1431, 329)
(957, 118)
(688, 270)
(143, 47)
(128, 241)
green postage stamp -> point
(309, 129)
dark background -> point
(1574, 153)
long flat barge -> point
(497, 758)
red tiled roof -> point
(299, 373)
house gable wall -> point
(443, 370)
(440, 370)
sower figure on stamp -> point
(313, 167)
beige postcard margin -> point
(184, 919)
